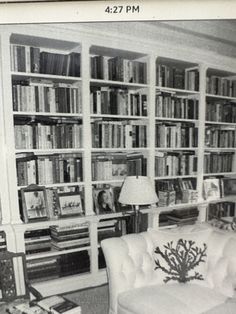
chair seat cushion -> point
(174, 299)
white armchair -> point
(134, 286)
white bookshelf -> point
(66, 41)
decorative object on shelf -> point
(103, 200)
(137, 190)
(211, 188)
(34, 203)
(70, 204)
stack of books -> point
(37, 241)
(69, 237)
(184, 216)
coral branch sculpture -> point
(181, 259)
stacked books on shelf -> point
(108, 228)
(117, 166)
(34, 60)
(37, 241)
(45, 96)
(222, 86)
(184, 216)
(43, 169)
(176, 191)
(221, 111)
(59, 305)
(48, 135)
(176, 77)
(69, 237)
(119, 134)
(43, 269)
(175, 163)
(176, 135)
(172, 106)
(220, 136)
(217, 162)
(117, 101)
(118, 69)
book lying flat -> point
(59, 305)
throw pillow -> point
(180, 257)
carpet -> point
(91, 300)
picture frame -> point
(103, 200)
(211, 188)
(34, 203)
(70, 204)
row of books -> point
(173, 164)
(176, 77)
(107, 100)
(222, 86)
(218, 162)
(118, 69)
(119, 134)
(176, 191)
(117, 166)
(55, 168)
(220, 137)
(170, 106)
(33, 60)
(46, 97)
(49, 268)
(221, 209)
(221, 112)
(176, 135)
(48, 136)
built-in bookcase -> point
(82, 114)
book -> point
(58, 304)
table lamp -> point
(136, 191)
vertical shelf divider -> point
(151, 127)
(11, 181)
(87, 142)
(201, 138)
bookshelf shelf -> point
(48, 114)
(100, 82)
(55, 78)
(65, 184)
(176, 91)
(50, 151)
(221, 123)
(56, 253)
(219, 97)
(134, 149)
(221, 149)
(113, 116)
(176, 177)
(176, 149)
(176, 120)
(107, 181)
(219, 174)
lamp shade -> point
(137, 190)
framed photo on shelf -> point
(103, 200)
(70, 204)
(211, 188)
(34, 203)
